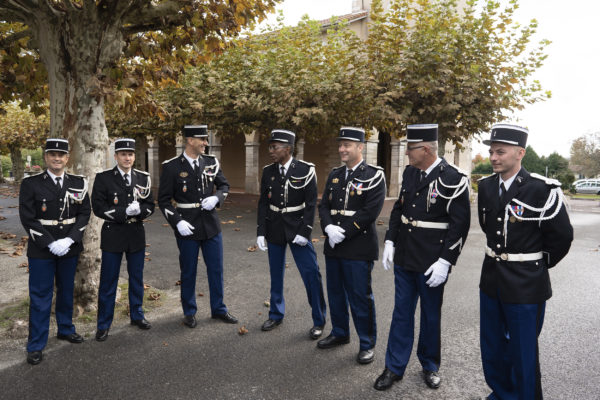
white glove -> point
(300, 240)
(133, 209)
(210, 202)
(439, 273)
(61, 247)
(261, 243)
(335, 233)
(388, 255)
(185, 228)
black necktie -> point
(348, 173)
(423, 176)
(196, 168)
(126, 178)
(502, 193)
(58, 178)
(282, 171)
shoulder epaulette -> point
(485, 177)
(107, 170)
(548, 181)
(268, 165)
(460, 171)
(306, 162)
(30, 176)
(78, 176)
(171, 159)
(209, 155)
(341, 166)
(141, 172)
(375, 166)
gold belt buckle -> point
(414, 223)
(55, 222)
(197, 205)
(504, 256)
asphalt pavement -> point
(213, 361)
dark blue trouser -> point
(306, 260)
(109, 278)
(349, 281)
(509, 348)
(410, 287)
(42, 274)
(212, 252)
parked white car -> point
(590, 186)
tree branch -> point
(15, 10)
(9, 40)
(153, 14)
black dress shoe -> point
(141, 323)
(316, 332)
(432, 379)
(365, 356)
(332, 341)
(271, 324)
(35, 357)
(72, 338)
(386, 380)
(189, 320)
(101, 335)
(228, 318)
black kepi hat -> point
(124, 145)
(283, 136)
(54, 144)
(351, 133)
(422, 133)
(198, 131)
(507, 133)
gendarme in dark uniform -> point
(352, 200)
(122, 198)
(428, 228)
(286, 212)
(195, 182)
(527, 231)
(54, 208)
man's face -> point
(56, 161)
(198, 144)
(350, 152)
(417, 154)
(506, 158)
(125, 159)
(279, 152)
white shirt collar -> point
(191, 160)
(62, 177)
(507, 182)
(286, 166)
(123, 172)
(354, 168)
(432, 166)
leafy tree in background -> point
(585, 154)
(532, 162)
(92, 52)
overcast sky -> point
(571, 72)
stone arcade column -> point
(215, 145)
(154, 164)
(370, 150)
(300, 149)
(397, 163)
(252, 145)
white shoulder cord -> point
(555, 196)
(142, 191)
(74, 194)
(308, 177)
(210, 175)
(379, 176)
(459, 188)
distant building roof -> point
(355, 16)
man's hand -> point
(335, 234)
(185, 228)
(439, 273)
(388, 255)
(210, 202)
(133, 209)
(60, 247)
(300, 240)
(261, 243)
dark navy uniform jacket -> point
(40, 198)
(524, 282)
(179, 182)
(360, 241)
(417, 248)
(110, 199)
(277, 227)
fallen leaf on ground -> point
(323, 236)
(287, 265)
(380, 222)
(242, 330)
(154, 296)
(165, 224)
(238, 216)
(146, 286)
(267, 303)
(147, 253)
(147, 244)
(200, 294)
(165, 344)
(178, 283)
(252, 248)
(2, 218)
(23, 265)
(236, 229)
(315, 240)
(147, 259)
